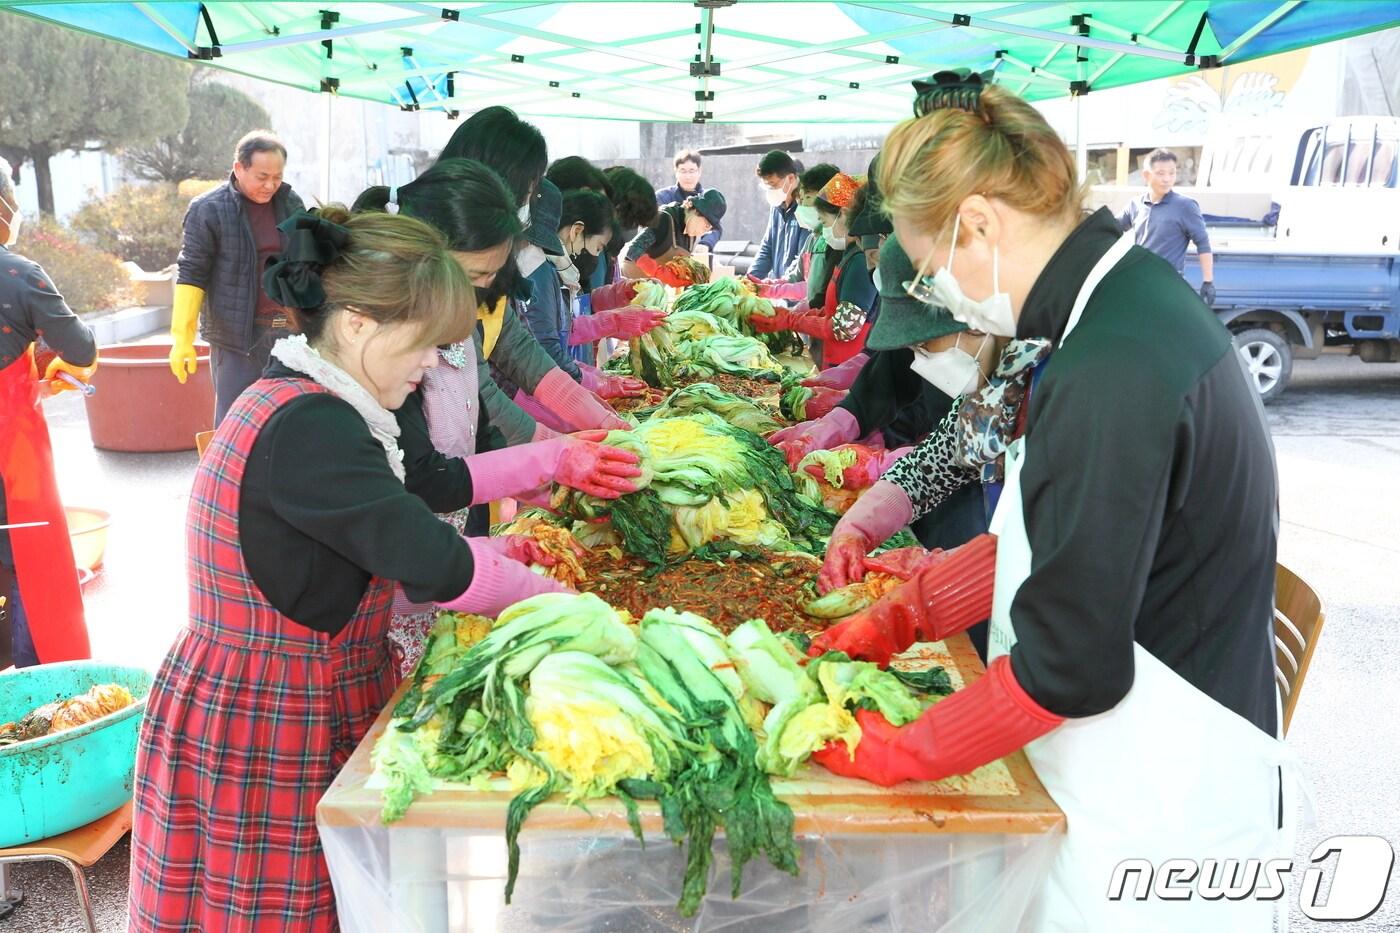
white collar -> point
(295, 353)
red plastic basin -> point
(139, 406)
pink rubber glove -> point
(606, 386)
(785, 291)
(622, 324)
(882, 511)
(870, 465)
(498, 582)
(838, 377)
(543, 432)
(542, 415)
(823, 401)
(796, 442)
(521, 548)
(617, 295)
(574, 405)
(579, 462)
(901, 562)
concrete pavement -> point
(1337, 434)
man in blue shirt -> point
(1163, 220)
(687, 164)
(784, 238)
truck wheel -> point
(1268, 360)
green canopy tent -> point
(768, 61)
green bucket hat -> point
(903, 320)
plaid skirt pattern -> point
(250, 718)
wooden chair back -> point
(1298, 621)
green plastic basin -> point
(60, 782)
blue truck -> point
(1309, 264)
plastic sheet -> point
(402, 879)
(968, 853)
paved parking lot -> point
(1337, 434)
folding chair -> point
(1298, 621)
(76, 849)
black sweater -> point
(320, 513)
(1150, 496)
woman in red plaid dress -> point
(299, 525)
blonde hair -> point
(395, 270)
(1004, 149)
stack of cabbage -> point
(705, 333)
(565, 696)
(703, 480)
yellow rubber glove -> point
(184, 321)
(57, 365)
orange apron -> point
(44, 566)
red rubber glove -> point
(621, 324)
(771, 323)
(823, 401)
(655, 270)
(988, 720)
(845, 561)
(813, 323)
(946, 595)
(617, 295)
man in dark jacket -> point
(230, 236)
(687, 185)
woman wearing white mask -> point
(842, 319)
(986, 377)
(809, 278)
(1130, 580)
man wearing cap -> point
(784, 238)
(687, 164)
(230, 234)
(674, 232)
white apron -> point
(1167, 773)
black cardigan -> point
(320, 513)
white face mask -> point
(807, 217)
(876, 278)
(953, 372)
(991, 315)
(15, 221)
(832, 240)
(524, 213)
(774, 196)
(529, 258)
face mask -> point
(953, 372)
(832, 240)
(876, 278)
(807, 217)
(524, 213)
(992, 315)
(15, 221)
(774, 196)
(529, 258)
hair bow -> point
(313, 243)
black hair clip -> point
(956, 89)
(294, 280)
